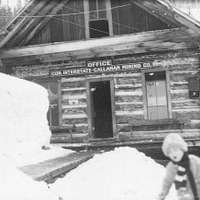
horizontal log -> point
(79, 101)
(73, 111)
(128, 86)
(71, 89)
(179, 91)
(184, 106)
(74, 96)
(124, 119)
(177, 61)
(76, 127)
(186, 102)
(61, 138)
(184, 72)
(187, 134)
(136, 92)
(163, 59)
(186, 115)
(128, 113)
(74, 121)
(69, 129)
(121, 99)
(179, 86)
(80, 137)
(138, 136)
(135, 79)
(152, 41)
(73, 84)
(68, 106)
(74, 116)
(180, 96)
(73, 80)
(182, 76)
(129, 107)
(192, 125)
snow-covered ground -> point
(24, 130)
(122, 174)
(24, 126)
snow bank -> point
(123, 173)
(23, 108)
(23, 122)
(24, 130)
(15, 185)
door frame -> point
(167, 90)
(89, 110)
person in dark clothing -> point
(183, 170)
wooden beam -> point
(20, 15)
(42, 23)
(181, 17)
(153, 8)
(165, 10)
(146, 42)
(32, 23)
(21, 24)
(86, 17)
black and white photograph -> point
(100, 99)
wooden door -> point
(157, 107)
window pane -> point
(161, 93)
(156, 91)
(98, 28)
(162, 112)
(151, 93)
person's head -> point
(174, 147)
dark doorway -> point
(101, 110)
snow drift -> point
(15, 185)
(23, 108)
(123, 173)
(24, 130)
(23, 121)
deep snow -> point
(122, 174)
(24, 130)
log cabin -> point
(118, 72)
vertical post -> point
(109, 17)
(59, 103)
(168, 94)
(86, 16)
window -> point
(194, 87)
(98, 18)
(156, 93)
(98, 28)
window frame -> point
(168, 95)
(87, 17)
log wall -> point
(129, 99)
(74, 108)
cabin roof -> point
(23, 22)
